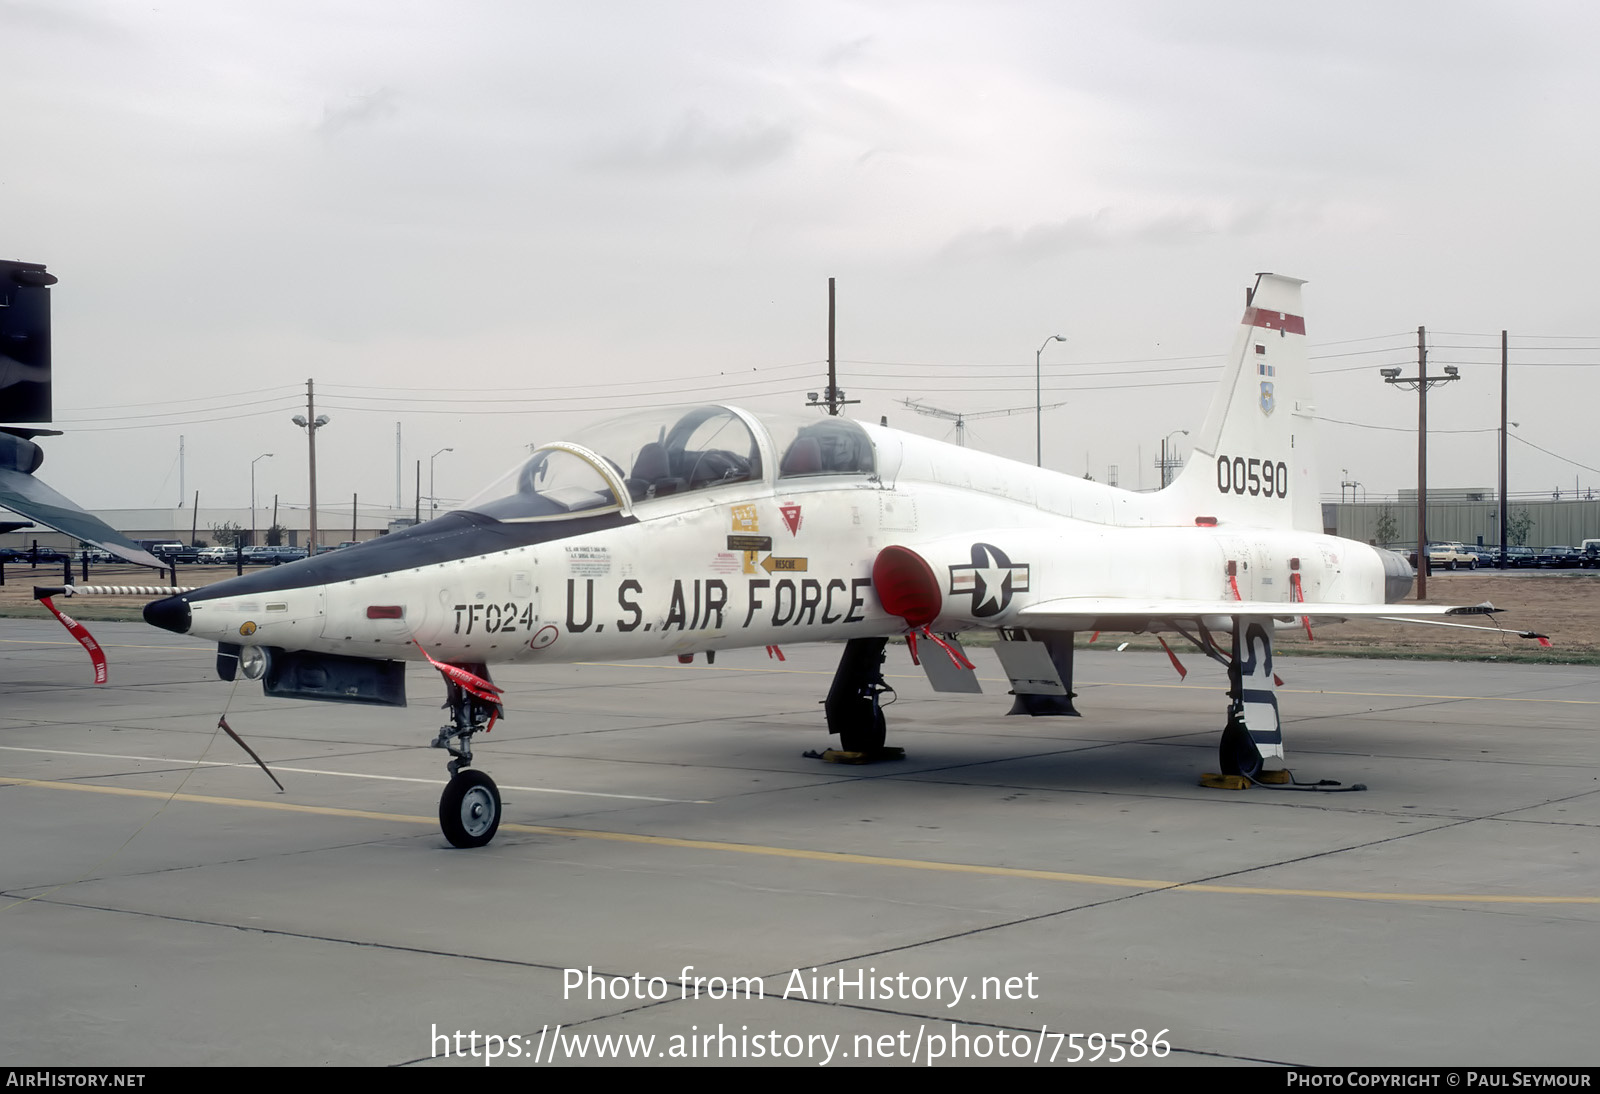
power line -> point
(546, 387)
(1558, 456)
(181, 421)
(192, 399)
(533, 409)
(1403, 428)
(168, 425)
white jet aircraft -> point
(708, 528)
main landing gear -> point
(853, 706)
(469, 809)
(1237, 753)
(1254, 729)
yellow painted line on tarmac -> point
(826, 856)
(107, 645)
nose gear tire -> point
(469, 809)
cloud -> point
(358, 110)
(1109, 228)
(694, 142)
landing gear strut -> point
(852, 707)
(469, 808)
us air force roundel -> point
(991, 579)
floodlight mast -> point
(311, 422)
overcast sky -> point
(552, 211)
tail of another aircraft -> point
(1254, 463)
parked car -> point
(160, 547)
(26, 555)
(290, 554)
(1483, 556)
(1521, 557)
(1560, 558)
(260, 556)
(1451, 556)
(216, 556)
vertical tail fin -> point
(1253, 462)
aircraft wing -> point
(22, 493)
(1133, 613)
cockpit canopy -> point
(664, 452)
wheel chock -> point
(836, 756)
(1273, 778)
(1214, 781)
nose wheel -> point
(469, 809)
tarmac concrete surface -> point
(1017, 890)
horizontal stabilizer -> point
(22, 493)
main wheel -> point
(865, 738)
(1237, 753)
(469, 809)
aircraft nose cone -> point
(170, 614)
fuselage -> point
(779, 549)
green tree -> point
(275, 536)
(228, 534)
(1518, 525)
(1387, 528)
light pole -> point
(433, 499)
(311, 421)
(253, 463)
(1420, 383)
(1164, 440)
(1038, 400)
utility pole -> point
(311, 423)
(1420, 383)
(1505, 360)
(834, 398)
(833, 364)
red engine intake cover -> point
(906, 585)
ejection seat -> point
(652, 474)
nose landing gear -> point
(469, 808)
